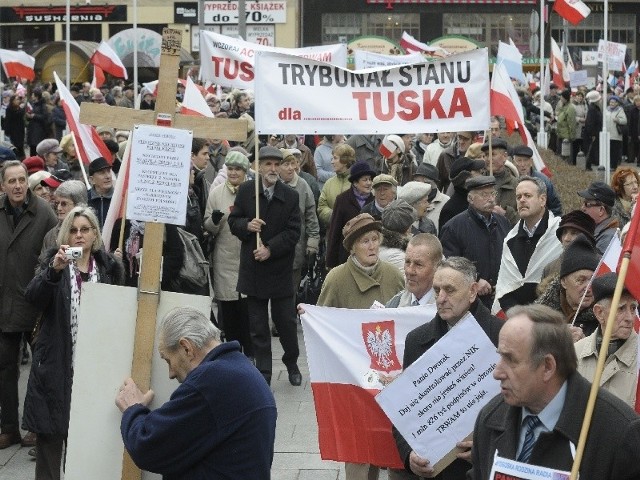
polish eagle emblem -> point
(379, 340)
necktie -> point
(530, 423)
(415, 303)
(267, 194)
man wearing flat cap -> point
(478, 234)
(620, 374)
(505, 181)
(384, 192)
(101, 191)
(269, 239)
(523, 160)
(428, 173)
(49, 150)
(597, 202)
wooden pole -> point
(256, 164)
(490, 153)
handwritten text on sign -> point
(434, 402)
(299, 95)
(159, 174)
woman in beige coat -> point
(225, 257)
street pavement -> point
(297, 456)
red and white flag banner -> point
(573, 11)
(229, 61)
(193, 102)
(107, 59)
(352, 354)
(90, 145)
(18, 64)
(302, 96)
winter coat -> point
(445, 160)
(421, 339)
(435, 207)
(345, 208)
(593, 122)
(39, 127)
(225, 258)
(634, 124)
(272, 278)
(331, 189)
(554, 297)
(100, 204)
(322, 158)
(620, 374)
(19, 250)
(610, 449)
(613, 118)
(456, 204)
(348, 286)
(48, 401)
(467, 235)
(59, 120)
(567, 126)
(366, 148)
(553, 200)
(220, 423)
(506, 184)
(309, 227)
(605, 231)
(14, 127)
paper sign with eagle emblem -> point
(379, 339)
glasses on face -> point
(487, 195)
(591, 204)
(63, 204)
(82, 230)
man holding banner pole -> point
(537, 416)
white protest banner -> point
(615, 54)
(578, 78)
(505, 469)
(435, 402)
(159, 174)
(364, 59)
(225, 11)
(352, 354)
(589, 58)
(303, 96)
(229, 61)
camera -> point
(73, 253)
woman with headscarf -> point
(624, 182)
(348, 204)
(225, 257)
(56, 290)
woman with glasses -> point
(56, 291)
(624, 182)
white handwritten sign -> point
(434, 402)
(159, 174)
(615, 54)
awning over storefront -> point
(52, 57)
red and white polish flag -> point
(193, 102)
(18, 64)
(107, 60)
(90, 145)
(352, 354)
(573, 11)
(411, 45)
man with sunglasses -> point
(598, 201)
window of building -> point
(341, 27)
(26, 37)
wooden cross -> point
(164, 115)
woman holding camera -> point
(56, 290)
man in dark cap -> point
(523, 160)
(269, 238)
(427, 173)
(598, 201)
(506, 182)
(529, 246)
(461, 170)
(620, 374)
(478, 234)
(101, 191)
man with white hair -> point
(219, 423)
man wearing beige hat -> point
(384, 191)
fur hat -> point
(360, 169)
(357, 226)
(577, 220)
(579, 255)
(398, 216)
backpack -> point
(194, 273)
